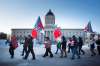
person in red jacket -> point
(13, 45)
(47, 43)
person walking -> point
(69, 43)
(13, 44)
(25, 46)
(80, 44)
(74, 45)
(11, 50)
(30, 48)
(58, 46)
(98, 44)
(63, 47)
(47, 43)
(92, 46)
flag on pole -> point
(88, 28)
(39, 25)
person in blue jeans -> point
(73, 47)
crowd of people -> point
(73, 44)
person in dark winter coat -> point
(98, 44)
(63, 47)
(80, 44)
(92, 46)
(47, 43)
(11, 50)
(25, 45)
(30, 48)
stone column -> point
(50, 35)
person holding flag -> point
(62, 43)
(30, 48)
(38, 27)
(88, 29)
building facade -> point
(48, 30)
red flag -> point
(57, 33)
(34, 33)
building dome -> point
(50, 13)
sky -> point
(68, 13)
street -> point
(86, 60)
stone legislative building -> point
(48, 30)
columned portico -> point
(49, 25)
